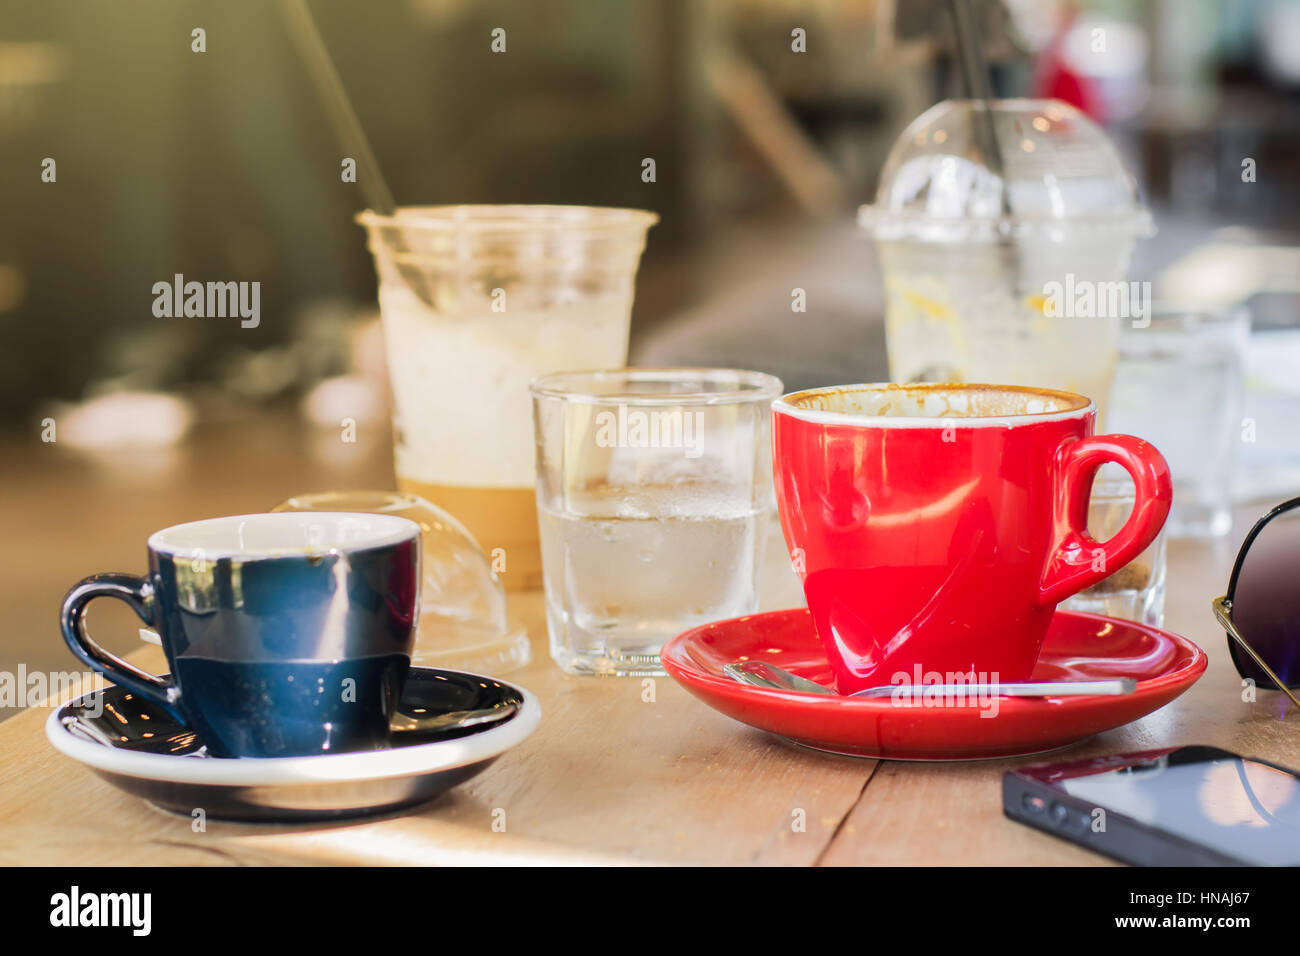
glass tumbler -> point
(1179, 385)
(1135, 592)
(654, 494)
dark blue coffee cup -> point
(287, 634)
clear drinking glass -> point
(654, 493)
(1136, 591)
(476, 301)
(1178, 384)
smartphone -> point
(1185, 806)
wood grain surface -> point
(621, 771)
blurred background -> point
(223, 164)
(768, 120)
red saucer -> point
(1078, 647)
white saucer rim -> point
(415, 760)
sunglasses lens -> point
(1266, 602)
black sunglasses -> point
(1261, 611)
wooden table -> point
(614, 774)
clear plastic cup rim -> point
(583, 387)
(892, 225)
(512, 219)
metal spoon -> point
(763, 674)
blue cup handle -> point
(138, 593)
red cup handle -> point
(1079, 561)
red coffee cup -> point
(936, 527)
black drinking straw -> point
(307, 39)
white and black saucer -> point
(139, 748)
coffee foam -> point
(936, 401)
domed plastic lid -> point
(1059, 170)
(463, 620)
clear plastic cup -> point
(476, 302)
(1012, 272)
